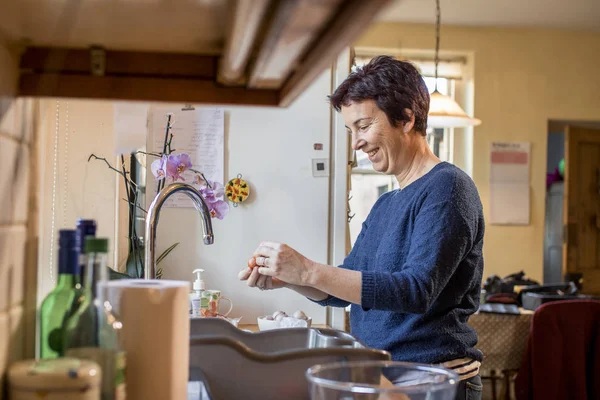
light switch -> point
(320, 167)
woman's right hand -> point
(254, 279)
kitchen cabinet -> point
(245, 52)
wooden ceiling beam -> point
(119, 63)
(244, 28)
(274, 50)
(187, 91)
(294, 27)
(352, 20)
(9, 71)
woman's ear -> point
(409, 125)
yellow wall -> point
(82, 189)
(523, 77)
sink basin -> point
(234, 364)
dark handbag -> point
(502, 290)
(534, 296)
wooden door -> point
(582, 206)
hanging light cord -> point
(438, 16)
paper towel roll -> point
(156, 336)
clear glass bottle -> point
(58, 302)
(85, 228)
(92, 333)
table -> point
(503, 341)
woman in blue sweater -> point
(413, 277)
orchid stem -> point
(165, 144)
(167, 129)
(112, 168)
(136, 205)
(203, 177)
(128, 190)
(148, 154)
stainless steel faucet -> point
(152, 222)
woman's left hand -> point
(280, 261)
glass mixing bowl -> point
(381, 380)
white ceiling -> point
(563, 14)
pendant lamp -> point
(444, 112)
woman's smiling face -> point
(387, 146)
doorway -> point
(572, 218)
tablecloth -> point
(502, 339)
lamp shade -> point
(444, 112)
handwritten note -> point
(199, 132)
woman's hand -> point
(254, 279)
(280, 261)
(286, 262)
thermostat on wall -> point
(320, 167)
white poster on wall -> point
(509, 183)
(198, 132)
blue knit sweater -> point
(420, 254)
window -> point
(440, 139)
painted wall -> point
(80, 189)
(523, 77)
(272, 149)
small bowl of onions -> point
(280, 320)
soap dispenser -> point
(195, 297)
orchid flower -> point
(198, 180)
(173, 166)
(213, 196)
(213, 190)
(177, 164)
(158, 168)
(218, 209)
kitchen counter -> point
(254, 327)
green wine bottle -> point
(92, 333)
(58, 302)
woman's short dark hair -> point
(394, 85)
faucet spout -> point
(152, 222)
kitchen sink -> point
(234, 364)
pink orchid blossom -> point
(213, 196)
(177, 164)
(218, 209)
(213, 190)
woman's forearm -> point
(342, 283)
(307, 291)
